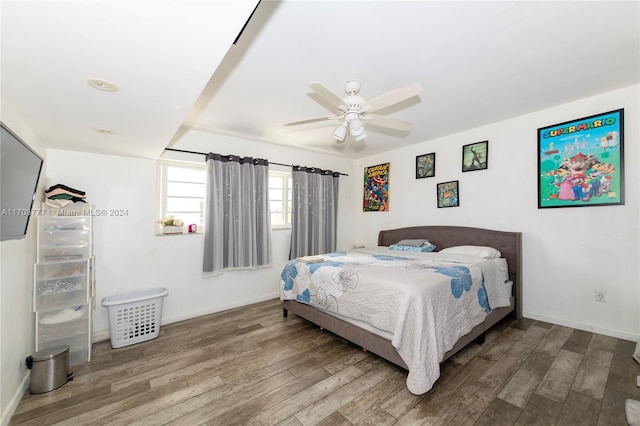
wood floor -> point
(252, 366)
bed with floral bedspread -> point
(427, 301)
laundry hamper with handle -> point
(134, 317)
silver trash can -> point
(49, 369)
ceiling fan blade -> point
(393, 97)
(388, 122)
(314, 120)
(326, 94)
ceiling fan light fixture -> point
(361, 136)
(340, 132)
(353, 109)
(356, 128)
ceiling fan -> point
(353, 110)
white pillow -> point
(503, 269)
(486, 252)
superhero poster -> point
(376, 188)
(581, 162)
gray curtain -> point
(314, 211)
(238, 223)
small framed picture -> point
(448, 195)
(426, 165)
(475, 156)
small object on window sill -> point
(172, 229)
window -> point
(280, 199)
(182, 191)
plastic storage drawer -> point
(60, 284)
(61, 323)
(62, 253)
(65, 238)
(65, 223)
(79, 351)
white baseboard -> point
(15, 400)
(101, 335)
(582, 326)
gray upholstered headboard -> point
(508, 243)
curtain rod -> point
(206, 153)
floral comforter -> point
(427, 301)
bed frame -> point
(508, 243)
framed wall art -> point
(581, 162)
(376, 188)
(426, 165)
(448, 195)
(475, 156)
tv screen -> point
(20, 169)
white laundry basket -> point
(134, 317)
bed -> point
(418, 345)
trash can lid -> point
(49, 353)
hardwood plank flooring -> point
(251, 366)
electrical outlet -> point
(601, 295)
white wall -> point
(16, 300)
(129, 256)
(568, 252)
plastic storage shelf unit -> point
(134, 317)
(64, 281)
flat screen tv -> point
(20, 169)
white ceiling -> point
(478, 62)
(159, 53)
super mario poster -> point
(376, 188)
(581, 162)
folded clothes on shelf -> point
(63, 193)
(58, 203)
(52, 190)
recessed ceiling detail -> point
(104, 85)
